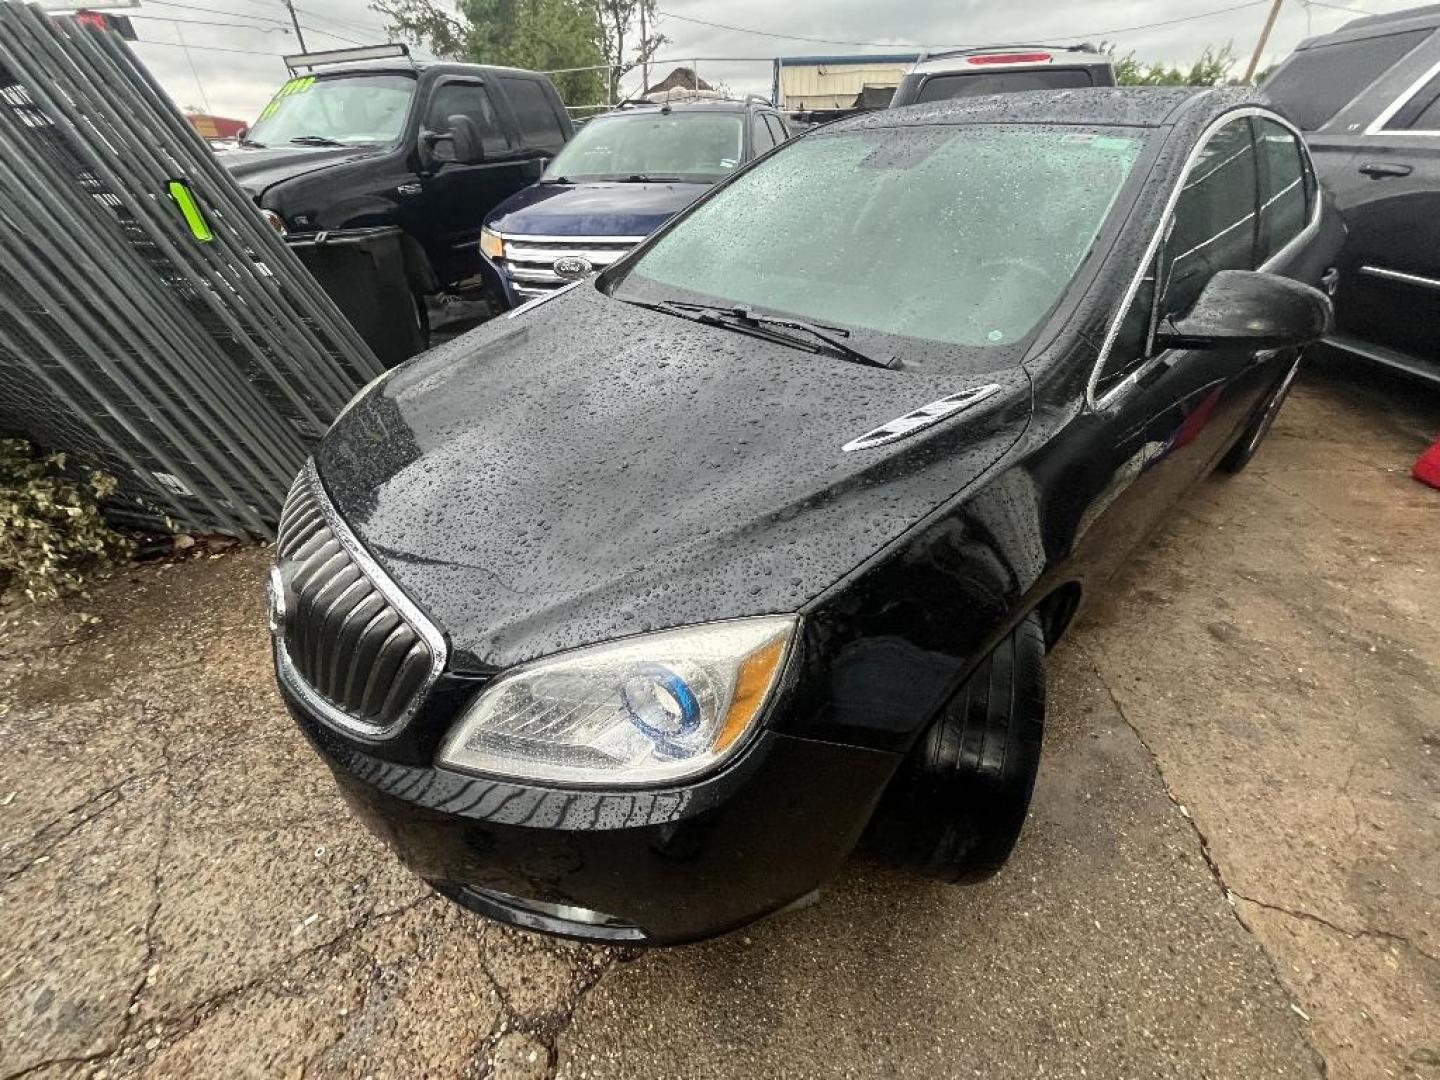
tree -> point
(617, 19)
(1213, 68)
(543, 35)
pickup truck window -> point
(534, 112)
(468, 99)
(952, 234)
(1315, 84)
(977, 84)
(350, 110)
(760, 134)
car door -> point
(1391, 277)
(458, 195)
(1168, 414)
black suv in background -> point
(1003, 69)
(1368, 99)
(430, 148)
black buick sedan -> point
(628, 615)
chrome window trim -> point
(1125, 385)
(385, 585)
(1401, 276)
(1377, 126)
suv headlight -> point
(645, 710)
(491, 245)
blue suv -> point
(623, 175)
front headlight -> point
(645, 710)
(491, 245)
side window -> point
(1315, 84)
(777, 128)
(1283, 188)
(1213, 227)
(1421, 112)
(534, 114)
(760, 134)
(468, 99)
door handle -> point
(1264, 356)
(1379, 169)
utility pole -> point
(644, 52)
(295, 21)
(1259, 45)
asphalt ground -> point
(1231, 869)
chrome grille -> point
(531, 259)
(347, 640)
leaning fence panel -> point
(151, 324)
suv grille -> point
(531, 259)
(347, 640)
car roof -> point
(641, 108)
(1418, 18)
(1121, 106)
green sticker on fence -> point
(191, 210)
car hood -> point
(593, 469)
(258, 169)
(592, 209)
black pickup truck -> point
(1368, 99)
(372, 138)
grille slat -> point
(349, 638)
(531, 258)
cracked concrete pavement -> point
(1230, 870)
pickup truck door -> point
(1389, 193)
(455, 197)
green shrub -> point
(50, 524)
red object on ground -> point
(1427, 469)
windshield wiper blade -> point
(251, 142)
(316, 140)
(647, 178)
(832, 337)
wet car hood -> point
(600, 209)
(258, 169)
(593, 469)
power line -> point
(212, 11)
(898, 45)
(211, 22)
(208, 48)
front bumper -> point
(657, 866)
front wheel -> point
(1244, 449)
(956, 807)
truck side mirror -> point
(465, 138)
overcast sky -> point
(232, 69)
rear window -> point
(1312, 86)
(980, 83)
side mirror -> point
(240, 135)
(465, 137)
(1250, 309)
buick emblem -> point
(275, 601)
(571, 267)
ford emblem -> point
(572, 267)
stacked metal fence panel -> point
(196, 371)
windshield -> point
(695, 146)
(344, 109)
(962, 235)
